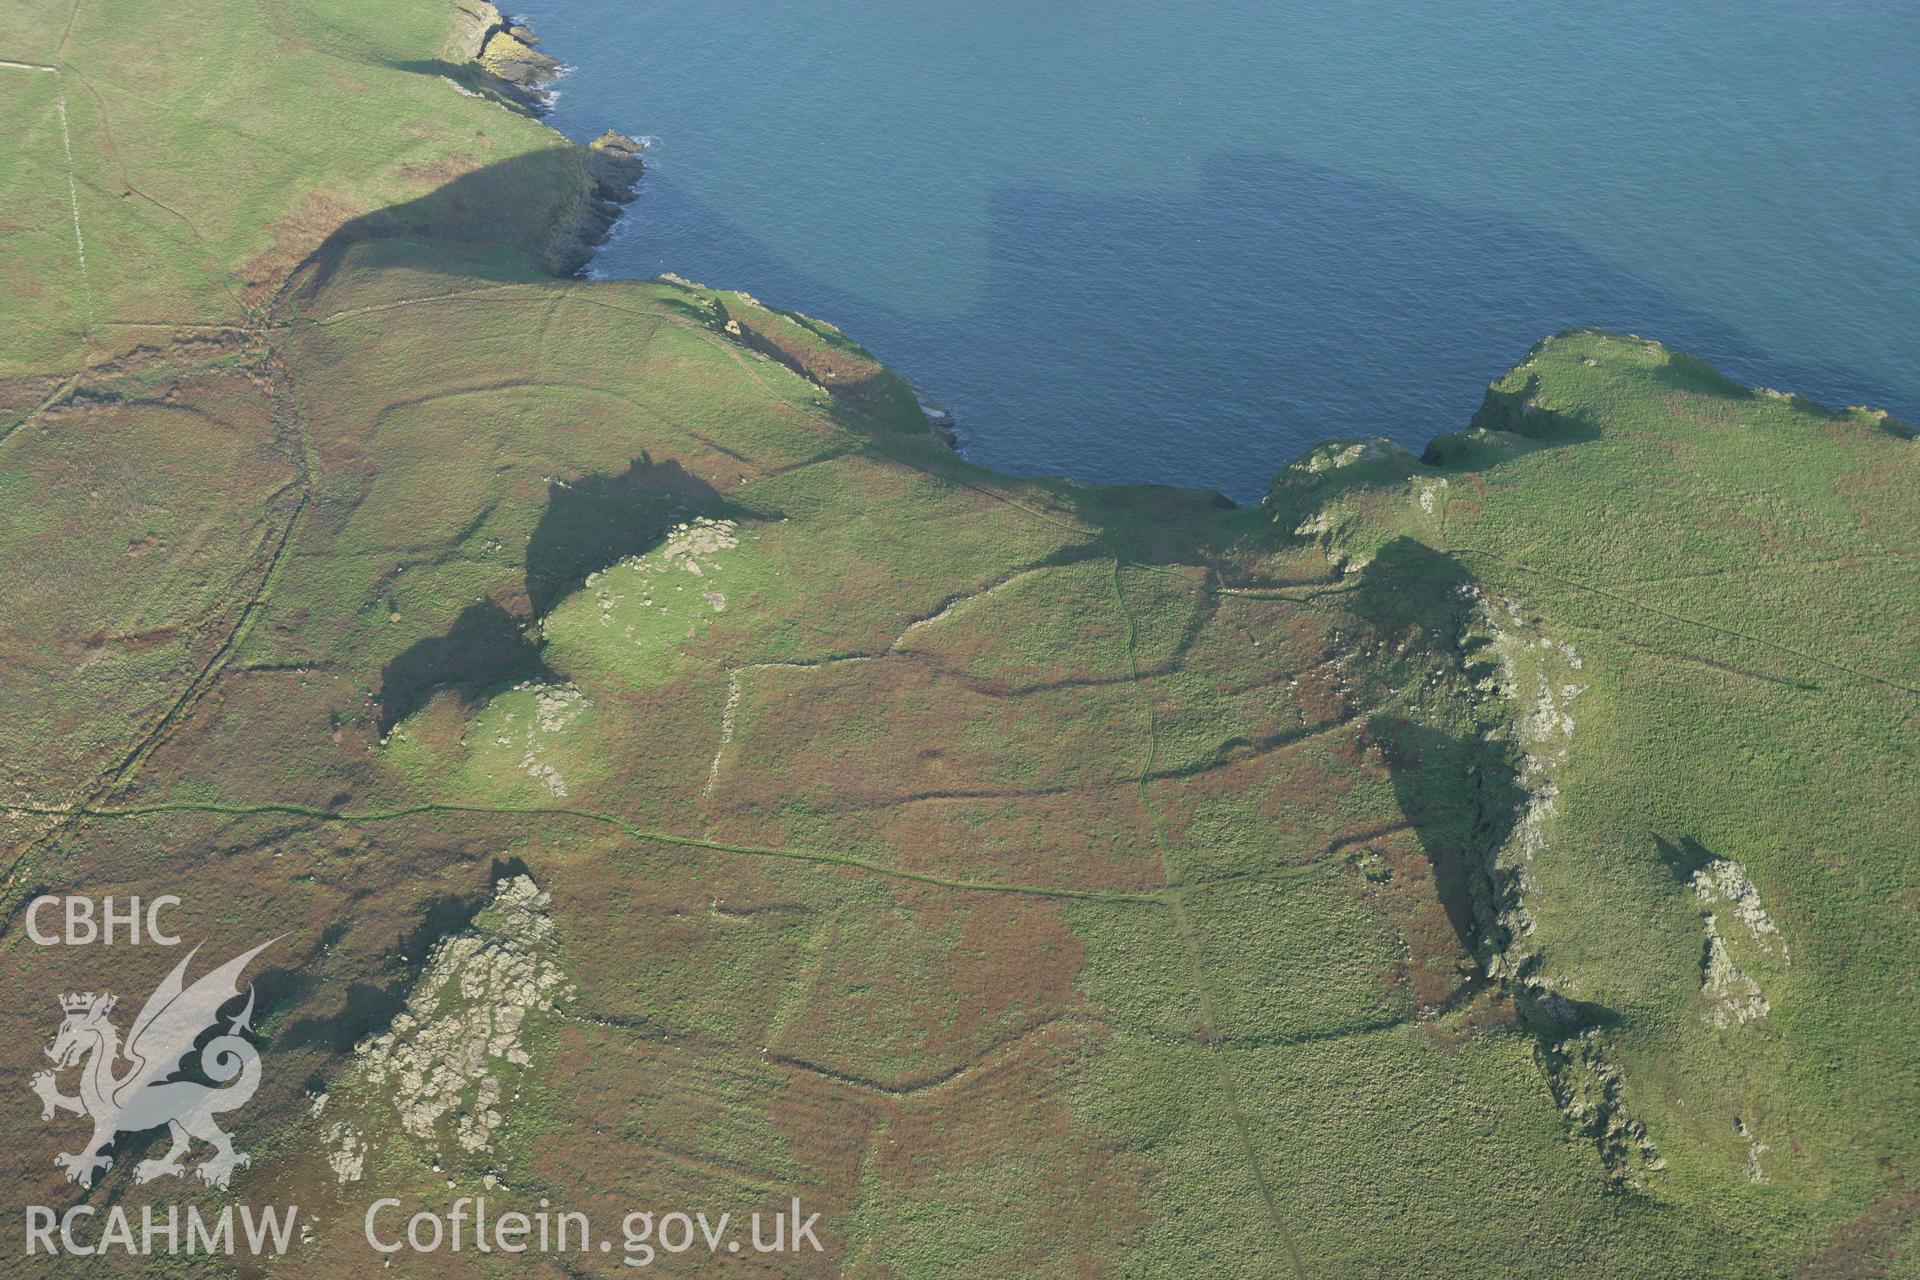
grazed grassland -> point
(1033, 878)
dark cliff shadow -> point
(591, 523)
(527, 98)
(1682, 858)
(587, 525)
(1448, 806)
(537, 215)
(1457, 790)
(486, 646)
(369, 1007)
(1458, 786)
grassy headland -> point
(1497, 862)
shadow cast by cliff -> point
(587, 525)
(1278, 305)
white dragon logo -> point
(144, 1096)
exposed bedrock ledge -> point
(614, 161)
(507, 63)
(505, 52)
(512, 59)
(613, 167)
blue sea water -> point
(1143, 241)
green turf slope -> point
(1498, 863)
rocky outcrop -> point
(1587, 1085)
(1726, 883)
(613, 168)
(1535, 680)
(514, 60)
(475, 21)
(502, 61)
(505, 53)
(505, 50)
(555, 708)
(448, 1065)
(939, 418)
(691, 548)
(1731, 996)
(819, 352)
(614, 161)
(1311, 467)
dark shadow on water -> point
(1208, 337)
(1188, 338)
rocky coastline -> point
(505, 52)
(939, 417)
(502, 56)
(614, 165)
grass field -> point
(1492, 863)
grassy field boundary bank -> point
(630, 830)
(1189, 940)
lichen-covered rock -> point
(1755, 1149)
(614, 161)
(464, 1028)
(515, 61)
(689, 548)
(1732, 996)
(555, 708)
(1534, 678)
(1726, 883)
(475, 21)
(347, 1150)
(1336, 455)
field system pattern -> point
(1168, 898)
(73, 186)
(1034, 878)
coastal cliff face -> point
(505, 49)
(616, 701)
(473, 23)
(511, 67)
